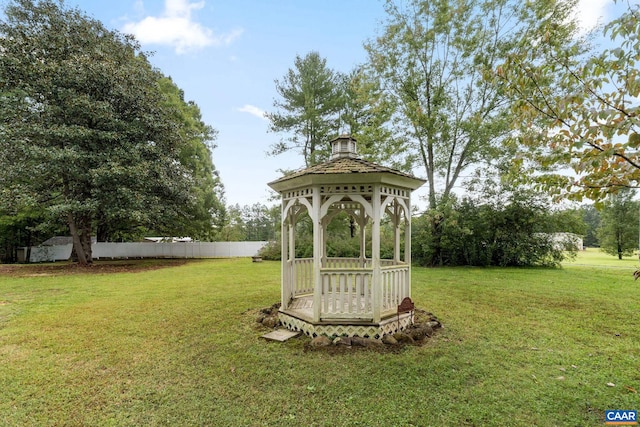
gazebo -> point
(357, 296)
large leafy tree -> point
(367, 114)
(207, 209)
(85, 130)
(435, 59)
(618, 230)
(307, 110)
(577, 113)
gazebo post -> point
(375, 255)
(318, 250)
(284, 254)
(363, 238)
(291, 259)
(407, 246)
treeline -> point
(503, 229)
(495, 228)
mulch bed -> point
(98, 267)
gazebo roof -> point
(346, 169)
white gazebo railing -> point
(347, 291)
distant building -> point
(567, 240)
(167, 239)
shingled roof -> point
(342, 165)
(345, 166)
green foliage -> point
(367, 116)
(86, 130)
(307, 112)
(513, 229)
(233, 229)
(433, 59)
(255, 222)
(317, 104)
(591, 218)
(576, 114)
(262, 222)
(272, 251)
(207, 209)
(618, 230)
(23, 228)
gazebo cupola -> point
(356, 296)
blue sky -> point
(226, 54)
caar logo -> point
(621, 417)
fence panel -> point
(105, 250)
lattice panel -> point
(388, 326)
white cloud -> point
(592, 12)
(176, 27)
(253, 110)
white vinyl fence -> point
(102, 250)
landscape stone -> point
(270, 321)
(434, 324)
(320, 341)
(343, 341)
(418, 334)
(404, 338)
(389, 340)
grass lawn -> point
(179, 346)
(593, 256)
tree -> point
(618, 231)
(577, 114)
(22, 227)
(308, 110)
(367, 115)
(433, 59)
(261, 222)
(85, 129)
(207, 210)
(233, 227)
(591, 218)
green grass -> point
(593, 256)
(179, 346)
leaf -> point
(631, 389)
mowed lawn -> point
(179, 346)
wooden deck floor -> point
(302, 307)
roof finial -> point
(343, 146)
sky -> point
(226, 55)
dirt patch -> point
(98, 267)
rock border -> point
(425, 325)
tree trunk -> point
(436, 242)
(79, 235)
(619, 248)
